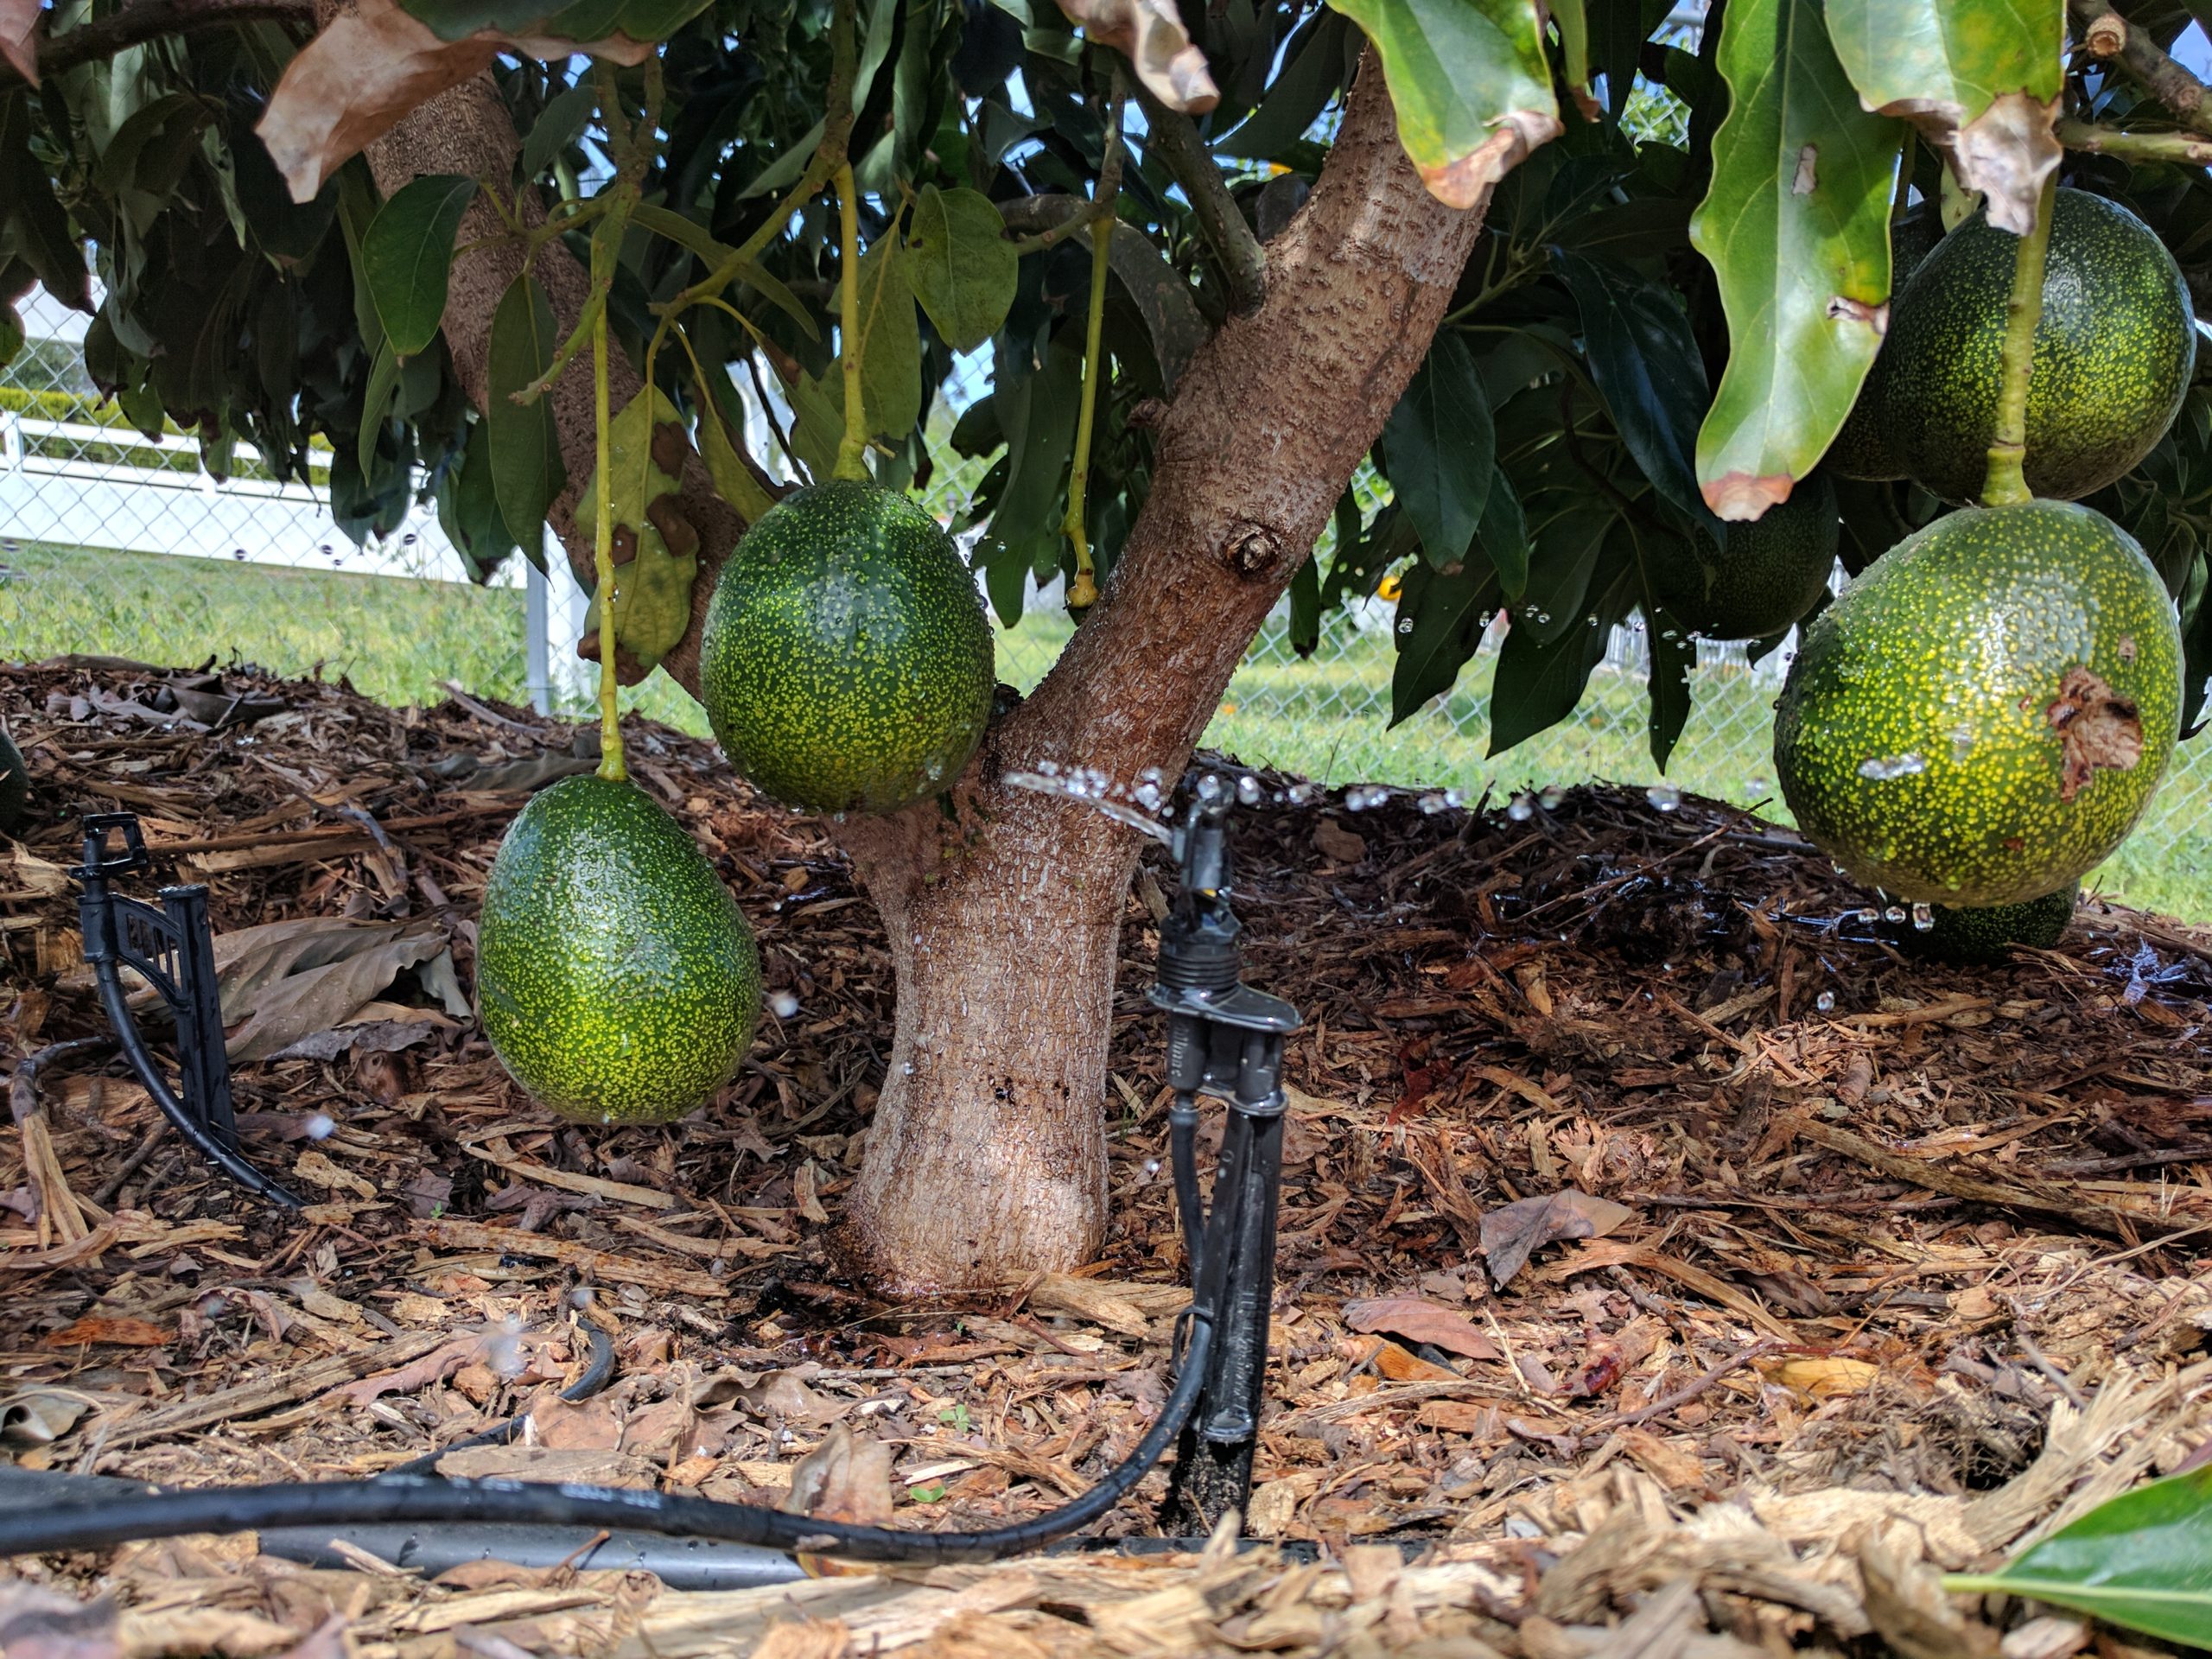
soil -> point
(1668, 1259)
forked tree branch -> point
(1173, 137)
(147, 20)
(2146, 63)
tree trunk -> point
(986, 1161)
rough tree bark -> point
(986, 1161)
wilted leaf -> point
(1420, 1320)
(846, 1477)
(1979, 78)
(99, 1329)
(1513, 1230)
(2135, 1562)
(368, 67)
(1151, 34)
(1470, 85)
(39, 1416)
(655, 554)
(1796, 223)
(407, 255)
(527, 471)
(19, 36)
(36, 1623)
(960, 265)
(283, 981)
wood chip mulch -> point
(1670, 1261)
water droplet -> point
(1551, 797)
(1868, 914)
(1210, 787)
(320, 1128)
(1454, 797)
(1521, 810)
(1665, 796)
(1151, 1168)
(1923, 915)
(1825, 1002)
(907, 1069)
(1894, 914)
(784, 1005)
(1148, 795)
(1249, 791)
(1433, 803)
(1406, 625)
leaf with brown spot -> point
(367, 69)
(2097, 728)
(1150, 33)
(1418, 1319)
(99, 1330)
(1512, 1232)
(19, 36)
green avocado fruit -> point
(1864, 449)
(846, 663)
(1979, 938)
(1982, 716)
(2113, 353)
(1772, 570)
(15, 786)
(616, 977)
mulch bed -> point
(1670, 1261)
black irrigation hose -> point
(595, 1377)
(392, 1498)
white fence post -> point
(537, 663)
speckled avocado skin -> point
(1914, 737)
(1978, 938)
(15, 787)
(2113, 353)
(615, 976)
(1773, 568)
(846, 664)
(1867, 447)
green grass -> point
(1322, 718)
(396, 639)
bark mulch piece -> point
(1819, 1268)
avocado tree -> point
(1580, 293)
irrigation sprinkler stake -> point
(173, 949)
(1225, 1041)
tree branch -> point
(2181, 149)
(1173, 137)
(2145, 63)
(148, 20)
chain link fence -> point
(113, 545)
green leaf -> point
(734, 481)
(376, 405)
(526, 469)
(1646, 364)
(1314, 67)
(891, 345)
(1304, 631)
(2143, 1561)
(407, 254)
(558, 125)
(1036, 410)
(1470, 85)
(468, 509)
(1979, 78)
(960, 265)
(1442, 450)
(1796, 224)
(1504, 537)
(1574, 48)
(1446, 615)
(1539, 683)
(1673, 654)
(688, 233)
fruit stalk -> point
(610, 727)
(1082, 593)
(2006, 483)
(852, 448)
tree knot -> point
(1251, 549)
(2096, 726)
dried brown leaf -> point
(353, 82)
(1333, 840)
(1151, 34)
(19, 36)
(846, 1477)
(36, 1623)
(1420, 1320)
(97, 1329)
(1512, 1232)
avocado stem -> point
(852, 448)
(610, 727)
(2006, 482)
(1082, 592)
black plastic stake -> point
(173, 949)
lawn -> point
(1323, 717)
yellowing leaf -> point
(656, 550)
(353, 82)
(1470, 82)
(1979, 78)
(1151, 34)
(1826, 1379)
